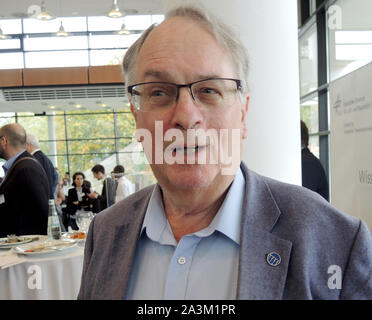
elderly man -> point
(24, 192)
(203, 232)
(33, 147)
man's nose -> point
(186, 113)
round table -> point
(52, 276)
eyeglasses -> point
(210, 93)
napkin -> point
(8, 259)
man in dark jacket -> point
(313, 174)
(33, 147)
(24, 192)
(107, 196)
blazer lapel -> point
(259, 276)
(122, 250)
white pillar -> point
(52, 136)
(268, 29)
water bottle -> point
(54, 227)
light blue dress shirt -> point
(9, 163)
(202, 265)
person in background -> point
(77, 199)
(66, 183)
(107, 196)
(313, 174)
(60, 200)
(125, 187)
(203, 232)
(24, 192)
(33, 147)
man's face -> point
(97, 175)
(2, 147)
(180, 51)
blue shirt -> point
(9, 163)
(202, 265)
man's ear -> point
(133, 112)
(244, 112)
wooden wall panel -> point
(55, 76)
(105, 74)
(11, 78)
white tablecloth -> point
(54, 276)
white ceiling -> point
(65, 8)
(11, 9)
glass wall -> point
(350, 38)
(91, 41)
(77, 140)
(335, 38)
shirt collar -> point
(226, 221)
(9, 163)
(36, 150)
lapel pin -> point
(273, 259)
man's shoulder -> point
(302, 209)
(26, 161)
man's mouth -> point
(188, 150)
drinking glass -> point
(83, 220)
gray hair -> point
(32, 140)
(224, 36)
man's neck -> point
(14, 152)
(191, 211)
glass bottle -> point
(54, 227)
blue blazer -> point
(324, 254)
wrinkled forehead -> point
(179, 38)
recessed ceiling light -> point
(52, 107)
(78, 106)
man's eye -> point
(208, 91)
(157, 93)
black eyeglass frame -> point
(188, 85)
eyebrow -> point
(165, 76)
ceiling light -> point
(3, 36)
(52, 107)
(115, 11)
(123, 30)
(103, 105)
(44, 15)
(78, 106)
(61, 32)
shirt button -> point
(181, 260)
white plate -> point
(44, 247)
(6, 245)
(70, 236)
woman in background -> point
(77, 199)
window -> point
(310, 114)
(50, 59)
(106, 57)
(89, 39)
(70, 24)
(11, 26)
(77, 140)
(55, 43)
(351, 46)
(308, 61)
(11, 60)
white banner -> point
(351, 144)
